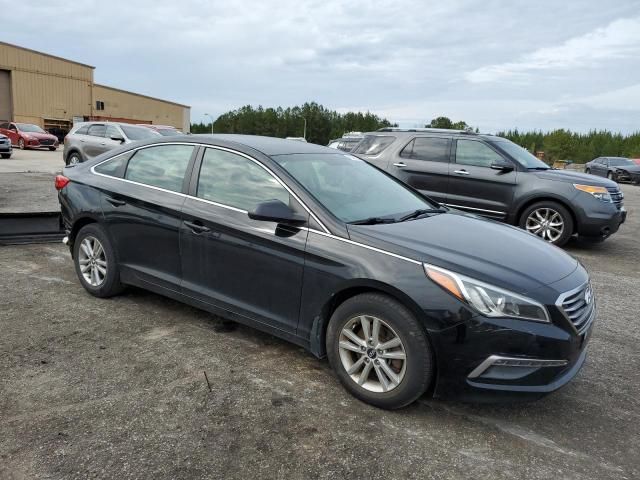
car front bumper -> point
(600, 225)
(490, 360)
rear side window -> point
(431, 149)
(163, 166)
(374, 144)
(83, 130)
(97, 130)
(235, 181)
(138, 133)
(470, 152)
(113, 167)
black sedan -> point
(618, 169)
(323, 249)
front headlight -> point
(601, 193)
(487, 299)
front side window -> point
(470, 152)
(162, 166)
(430, 149)
(236, 181)
(112, 132)
(350, 188)
(373, 144)
(97, 130)
(4, 125)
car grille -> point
(579, 307)
(4, 140)
(616, 196)
(46, 142)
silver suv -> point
(90, 139)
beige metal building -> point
(54, 92)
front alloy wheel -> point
(372, 354)
(546, 223)
(379, 350)
(93, 261)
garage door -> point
(5, 95)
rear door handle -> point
(400, 164)
(115, 202)
(196, 227)
(461, 172)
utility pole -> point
(304, 133)
(207, 115)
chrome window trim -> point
(229, 207)
(475, 209)
(538, 363)
(368, 247)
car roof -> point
(267, 145)
(416, 132)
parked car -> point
(322, 249)
(636, 161)
(5, 146)
(27, 135)
(347, 142)
(87, 140)
(495, 178)
(614, 168)
(165, 130)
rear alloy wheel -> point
(588, 170)
(95, 262)
(21, 144)
(74, 159)
(611, 176)
(378, 351)
(548, 220)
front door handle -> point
(461, 172)
(196, 227)
(400, 164)
(115, 202)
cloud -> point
(617, 41)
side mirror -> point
(276, 211)
(502, 166)
(117, 138)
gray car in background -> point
(90, 139)
(493, 177)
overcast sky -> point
(494, 64)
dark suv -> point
(496, 178)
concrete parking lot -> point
(116, 388)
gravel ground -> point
(115, 388)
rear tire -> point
(611, 176)
(21, 144)
(95, 262)
(407, 356)
(587, 171)
(559, 222)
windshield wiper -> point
(373, 221)
(423, 211)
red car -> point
(166, 130)
(637, 160)
(27, 135)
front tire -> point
(53, 149)
(95, 262)
(379, 352)
(548, 220)
(6, 155)
(74, 159)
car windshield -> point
(618, 162)
(373, 144)
(138, 133)
(168, 132)
(350, 188)
(520, 155)
(28, 127)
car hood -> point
(482, 249)
(575, 177)
(629, 168)
(41, 136)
